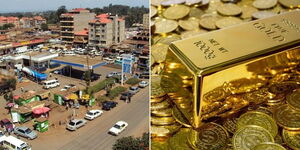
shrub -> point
(101, 85)
(133, 81)
(101, 99)
(116, 91)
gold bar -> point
(205, 69)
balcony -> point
(67, 37)
(68, 27)
(67, 21)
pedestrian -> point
(22, 89)
(129, 98)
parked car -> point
(125, 95)
(95, 77)
(108, 60)
(143, 84)
(75, 124)
(57, 71)
(108, 105)
(119, 127)
(7, 124)
(52, 51)
(69, 53)
(92, 114)
(25, 132)
(66, 87)
(133, 90)
(113, 74)
(50, 84)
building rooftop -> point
(83, 32)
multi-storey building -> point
(146, 21)
(74, 21)
(106, 30)
(34, 22)
(12, 20)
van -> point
(80, 51)
(50, 84)
(12, 143)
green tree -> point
(8, 97)
(12, 83)
(44, 27)
(131, 143)
(59, 11)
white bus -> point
(12, 143)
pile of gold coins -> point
(270, 118)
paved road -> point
(96, 138)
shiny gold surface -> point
(233, 62)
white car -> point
(143, 84)
(75, 124)
(92, 114)
(119, 127)
(66, 87)
(70, 53)
(52, 51)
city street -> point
(94, 135)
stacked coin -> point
(255, 113)
(163, 124)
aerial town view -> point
(74, 75)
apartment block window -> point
(92, 30)
(102, 36)
(92, 35)
(103, 31)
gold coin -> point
(291, 138)
(170, 84)
(158, 145)
(159, 52)
(257, 97)
(188, 34)
(244, 85)
(283, 87)
(156, 2)
(157, 99)
(162, 120)
(293, 100)
(152, 60)
(176, 12)
(210, 136)
(268, 146)
(229, 9)
(169, 39)
(159, 131)
(208, 22)
(180, 118)
(171, 2)
(162, 112)
(230, 124)
(196, 12)
(165, 26)
(153, 11)
(287, 117)
(189, 24)
(162, 105)
(192, 2)
(264, 4)
(264, 110)
(263, 14)
(214, 95)
(259, 119)
(179, 140)
(290, 3)
(249, 136)
(227, 22)
(247, 12)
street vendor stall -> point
(25, 98)
(87, 99)
(25, 113)
(64, 97)
(41, 124)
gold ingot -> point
(232, 58)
